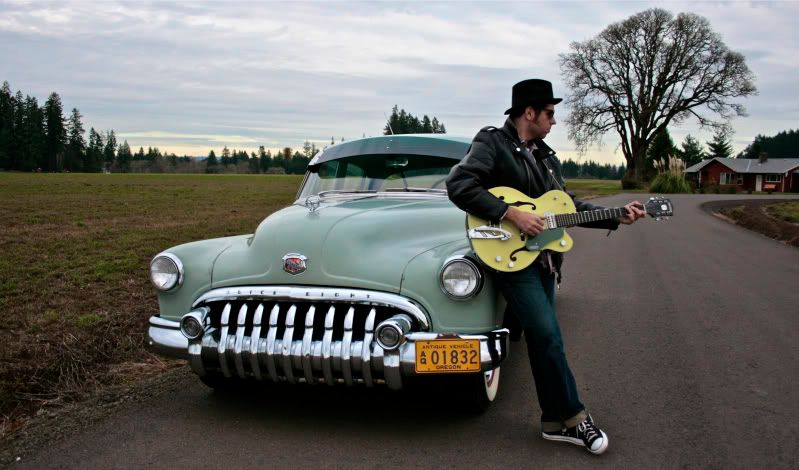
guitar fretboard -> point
(577, 218)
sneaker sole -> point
(579, 442)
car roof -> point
(439, 145)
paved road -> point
(682, 336)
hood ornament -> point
(294, 263)
(312, 203)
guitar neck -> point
(578, 218)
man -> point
(515, 155)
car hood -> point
(364, 243)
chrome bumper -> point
(303, 360)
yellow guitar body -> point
(503, 247)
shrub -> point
(666, 183)
(671, 177)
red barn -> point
(779, 175)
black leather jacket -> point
(497, 157)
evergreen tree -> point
(720, 146)
(7, 110)
(254, 165)
(124, 156)
(225, 156)
(438, 127)
(140, 154)
(298, 164)
(661, 148)
(569, 169)
(265, 159)
(76, 144)
(287, 156)
(691, 152)
(56, 133)
(427, 125)
(94, 153)
(110, 149)
(32, 136)
(211, 164)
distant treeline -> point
(34, 138)
(403, 122)
(783, 145)
(591, 169)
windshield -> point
(378, 173)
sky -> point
(191, 76)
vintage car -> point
(368, 278)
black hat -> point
(532, 91)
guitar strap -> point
(545, 161)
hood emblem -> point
(294, 263)
(312, 203)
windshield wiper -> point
(415, 190)
(333, 192)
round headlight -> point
(461, 278)
(166, 272)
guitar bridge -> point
(489, 232)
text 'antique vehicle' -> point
(368, 278)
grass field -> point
(787, 211)
(587, 188)
(74, 259)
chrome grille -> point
(294, 340)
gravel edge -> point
(49, 426)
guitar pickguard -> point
(540, 241)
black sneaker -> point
(585, 434)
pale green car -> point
(368, 278)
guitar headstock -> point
(658, 207)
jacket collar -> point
(510, 130)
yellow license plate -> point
(448, 355)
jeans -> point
(530, 294)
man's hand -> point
(528, 223)
(634, 212)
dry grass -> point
(74, 284)
(757, 216)
(787, 211)
(590, 188)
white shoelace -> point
(587, 429)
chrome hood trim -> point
(318, 294)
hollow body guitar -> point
(504, 248)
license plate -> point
(448, 355)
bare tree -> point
(651, 70)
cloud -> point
(249, 73)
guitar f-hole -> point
(522, 203)
(513, 253)
(519, 203)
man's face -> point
(541, 123)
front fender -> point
(420, 282)
(198, 262)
